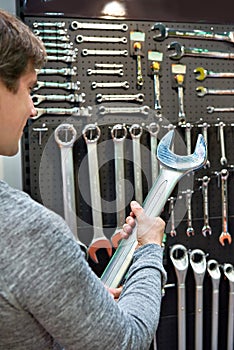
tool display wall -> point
(107, 77)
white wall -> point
(10, 167)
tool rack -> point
(41, 156)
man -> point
(49, 296)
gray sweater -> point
(51, 299)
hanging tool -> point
(137, 39)
(202, 73)
(229, 273)
(215, 274)
(178, 83)
(136, 133)
(65, 136)
(119, 133)
(172, 216)
(190, 229)
(198, 263)
(154, 62)
(91, 134)
(206, 229)
(179, 258)
(172, 168)
(225, 235)
(154, 130)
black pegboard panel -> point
(42, 168)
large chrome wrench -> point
(179, 258)
(99, 239)
(136, 132)
(229, 273)
(65, 136)
(215, 274)
(198, 264)
(119, 133)
(172, 168)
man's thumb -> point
(137, 209)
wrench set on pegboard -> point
(109, 92)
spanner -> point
(202, 74)
(124, 110)
(229, 273)
(100, 26)
(154, 130)
(212, 109)
(119, 133)
(225, 235)
(56, 45)
(37, 99)
(118, 72)
(52, 84)
(78, 111)
(202, 91)
(223, 159)
(179, 51)
(49, 24)
(67, 59)
(215, 274)
(190, 229)
(198, 263)
(179, 258)
(90, 52)
(205, 135)
(136, 133)
(206, 229)
(91, 134)
(121, 84)
(62, 71)
(65, 136)
(172, 168)
(50, 31)
(101, 39)
(63, 38)
(134, 97)
(172, 216)
(164, 32)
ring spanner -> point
(172, 168)
(229, 273)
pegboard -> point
(42, 164)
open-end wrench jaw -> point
(161, 31)
(177, 50)
(180, 162)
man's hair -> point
(19, 48)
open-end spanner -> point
(198, 263)
(100, 26)
(179, 51)
(65, 136)
(229, 273)
(225, 235)
(172, 168)
(77, 111)
(202, 91)
(50, 31)
(67, 59)
(49, 24)
(206, 229)
(62, 71)
(179, 258)
(202, 74)
(56, 45)
(64, 38)
(136, 133)
(215, 274)
(91, 134)
(162, 32)
(119, 133)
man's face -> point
(15, 109)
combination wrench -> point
(206, 229)
(77, 111)
(121, 84)
(212, 109)
(190, 229)
(62, 71)
(198, 263)
(205, 135)
(229, 273)
(154, 130)
(52, 84)
(162, 32)
(124, 110)
(101, 39)
(37, 99)
(215, 274)
(172, 216)
(202, 91)
(49, 24)
(202, 74)
(223, 159)
(119, 134)
(90, 52)
(172, 168)
(91, 134)
(179, 258)
(136, 133)
(178, 51)
(225, 235)
(65, 136)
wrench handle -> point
(181, 317)
(153, 205)
(199, 318)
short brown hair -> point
(19, 47)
